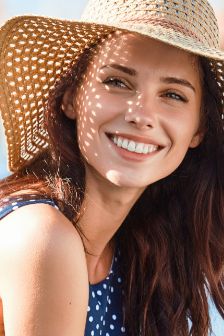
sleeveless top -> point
(104, 313)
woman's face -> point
(137, 110)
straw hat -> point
(34, 51)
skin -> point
(152, 104)
(40, 292)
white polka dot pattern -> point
(104, 313)
(19, 202)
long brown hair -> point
(172, 241)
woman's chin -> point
(123, 180)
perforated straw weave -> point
(35, 51)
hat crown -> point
(192, 18)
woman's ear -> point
(68, 104)
(197, 139)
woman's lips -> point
(117, 143)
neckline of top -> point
(110, 273)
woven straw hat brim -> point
(35, 51)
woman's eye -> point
(175, 96)
(116, 82)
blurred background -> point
(70, 9)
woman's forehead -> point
(141, 50)
(124, 44)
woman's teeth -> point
(133, 146)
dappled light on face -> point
(92, 105)
(87, 105)
(126, 114)
(91, 102)
(91, 120)
(114, 176)
(89, 136)
(87, 143)
(99, 112)
(133, 109)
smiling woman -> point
(159, 101)
(115, 140)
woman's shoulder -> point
(37, 227)
(25, 219)
(42, 256)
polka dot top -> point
(105, 305)
(104, 313)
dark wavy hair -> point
(172, 241)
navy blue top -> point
(104, 315)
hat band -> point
(167, 24)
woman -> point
(119, 124)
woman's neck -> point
(103, 211)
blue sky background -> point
(70, 9)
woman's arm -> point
(43, 274)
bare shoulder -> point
(37, 224)
(43, 273)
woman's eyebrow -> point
(133, 72)
(129, 71)
(180, 81)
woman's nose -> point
(141, 114)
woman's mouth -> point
(133, 149)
